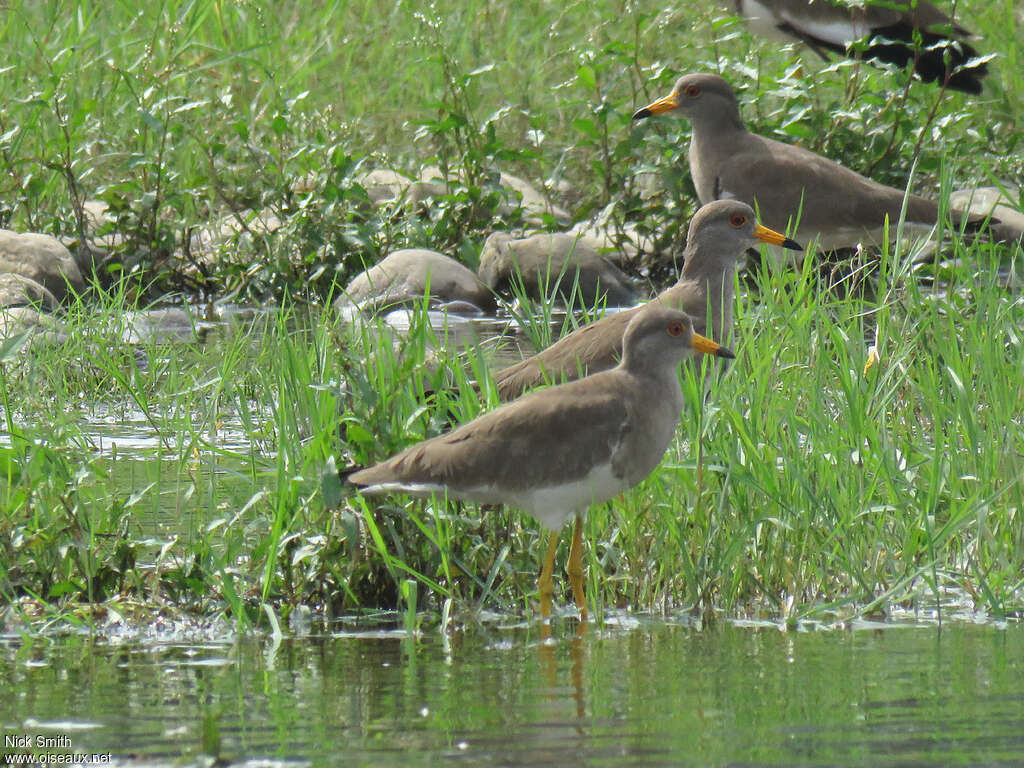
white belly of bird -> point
(554, 504)
(551, 504)
(839, 30)
(761, 20)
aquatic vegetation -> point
(822, 489)
(811, 483)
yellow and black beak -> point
(772, 237)
(708, 347)
(660, 107)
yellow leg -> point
(575, 568)
(544, 584)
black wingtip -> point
(965, 82)
(345, 472)
(640, 114)
(976, 225)
(793, 245)
(936, 57)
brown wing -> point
(691, 297)
(593, 348)
(857, 201)
(548, 437)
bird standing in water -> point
(559, 450)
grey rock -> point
(544, 259)
(458, 307)
(995, 202)
(620, 245)
(402, 278)
(97, 216)
(206, 242)
(535, 205)
(41, 258)
(18, 320)
(384, 185)
(20, 291)
(518, 193)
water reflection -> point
(626, 693)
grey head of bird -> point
(723, 230)
(701, 97)
(660, 337)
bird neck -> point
(714, 124)
(715, 284)
(692, 261)
(649, 367)
(712, 272)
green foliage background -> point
(808, 487)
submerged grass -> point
(809, 483)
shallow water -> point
(633, 692)
(628, 692)
(121, 428)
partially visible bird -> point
(899, 32)
(718, 236)
(559, 450)
(837, 206)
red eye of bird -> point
(738, 220)
(693, 91)
(676, 328)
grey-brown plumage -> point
(558, 450)
(838, 206)
(898, 32)
(719, 234)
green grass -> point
(821, 489)
(193, 111)
(805, 487)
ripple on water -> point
(633, 691)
